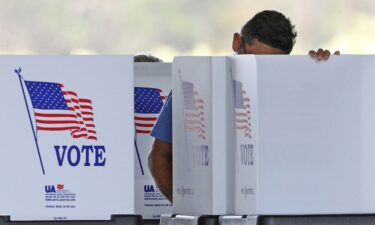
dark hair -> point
(271, 28)
(146, 58)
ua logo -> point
(149, 188)
(49, 188)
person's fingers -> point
(326, 54)
(312, 53)
(320, 54)
(315, 54)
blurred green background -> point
(166, 28)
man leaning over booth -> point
(268, 32)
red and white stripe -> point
(243, 116)
(144, 124)
(195, 118)
(79, 119)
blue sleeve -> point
(163, 127)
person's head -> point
(146, 58)
(268, 32)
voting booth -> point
(152, 84)
(201, 120)
(303, 134)
(264, 136)
(310, 149)
(67, 129)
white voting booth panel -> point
(67, 136)
(243, 73)
(303, 130)
(152, 83)
(310, 145)
(200, 122)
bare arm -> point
(160, 165)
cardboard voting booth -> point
(303, 131)
(67, 136)
(201, 120)
(311, 143)
(243, 75)
(152, 85)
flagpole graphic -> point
(186, 127)
(234, 119)
(31, 122)
(139, 158)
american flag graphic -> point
(194, 110)
(58, 109)
(242, 106)
(148, 103)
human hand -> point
(321, 54)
